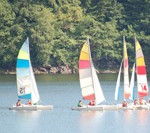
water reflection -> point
(89, 121)
(132, 121)
(27, 121)
(114, 121)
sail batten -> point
(90, 86)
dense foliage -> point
(58, 28)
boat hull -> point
(141, 107)
(88, 108)
(111, 107)
(32, 107)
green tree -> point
(8, 50)
(37, 22)
(41, 31)
(67, 17)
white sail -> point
(118, 83)
(34, 91)
(99, 96)
(90, 86)
(132, 83)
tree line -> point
(58, 28)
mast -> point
(91, 64)
(99, 96)
(126, 72)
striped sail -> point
(126, 73)
(90, 86)
(26, 84)
(142, 84)
(132, 83)
(117, 90)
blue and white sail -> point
(26, 84)
(117, 90)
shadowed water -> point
(63, 91)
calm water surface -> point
(63, 91)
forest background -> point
(58, 28)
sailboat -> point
(142, 84)
(126, 75)
(26, 84)
(89, 82)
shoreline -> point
(61, 70)
(38, 71)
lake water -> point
(63, 91)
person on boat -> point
(92, 103)
(142, 101)
(135, 102)
(148, 100)
(18, 102)
(80, 104)
(124, 104)
(29, 102)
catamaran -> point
(90, 85)
(142, 84)
(26, 84)
(128, 94)
(89, 82)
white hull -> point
(140, 107)
(88, 108)
(32, 107)
(111, 107)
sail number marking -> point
(22, 90)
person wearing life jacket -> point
(135, 102)
(29, 102)
(18, 103)
(142, 101)
(124, 104)
(148, 100)
(80, 104)
(92, 103)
